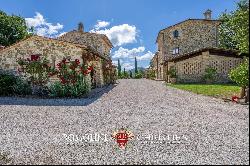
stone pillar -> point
(205, 61)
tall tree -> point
(12, 29)
(136, 67)
(130, 74)
(234, 30)
(119, 68)
(124, 71)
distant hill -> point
(139, 69)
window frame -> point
(176, 51)
(176, 34)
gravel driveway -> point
(170, 127)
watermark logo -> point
(122, 137)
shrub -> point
(57, 89)
(240, 74)
(210, 74)
(72, 76)
(172, 72)
(36, 69)
(13, 85)
(139, 75)
(7, 81)
(22, 87)
(150, 74)
(73, 81)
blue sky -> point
(132, 25)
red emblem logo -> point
(122, 137)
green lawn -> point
(216, 90)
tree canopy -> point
(12, 29)
(234, 30)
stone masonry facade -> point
(97, 42)
(191, 70)
(192, 35)
(189, 36)
(54, 50)
(93, 46)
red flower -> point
(86, 72)
(90, 68)
(59, 65)
(35, 57)
(63, 81)
(77, 61)
(235, 99)
(64, 61)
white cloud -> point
(127, 66)
(126, 53)
(42, 27)
(135, 52)
(38, 20)
(149, 55)
(119, 35)
(101, 24)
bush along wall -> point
(13, 85)
(72, 76)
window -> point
(176, 51)
(176, 34)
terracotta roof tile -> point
(218, 51)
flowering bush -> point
(35, 68)
(72, 76)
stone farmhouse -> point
(190, 47)
(94, 49)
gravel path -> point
(193, 129)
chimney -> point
(208, 14)
(80, 27)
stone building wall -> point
(192, 69)
(37, 45)
(95, 41)
(54, 50)
(193, 35)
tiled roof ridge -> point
(41, 37)
(186, 55)
(88, 33)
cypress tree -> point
(130, 74)
(119, 68)
(136, 68)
